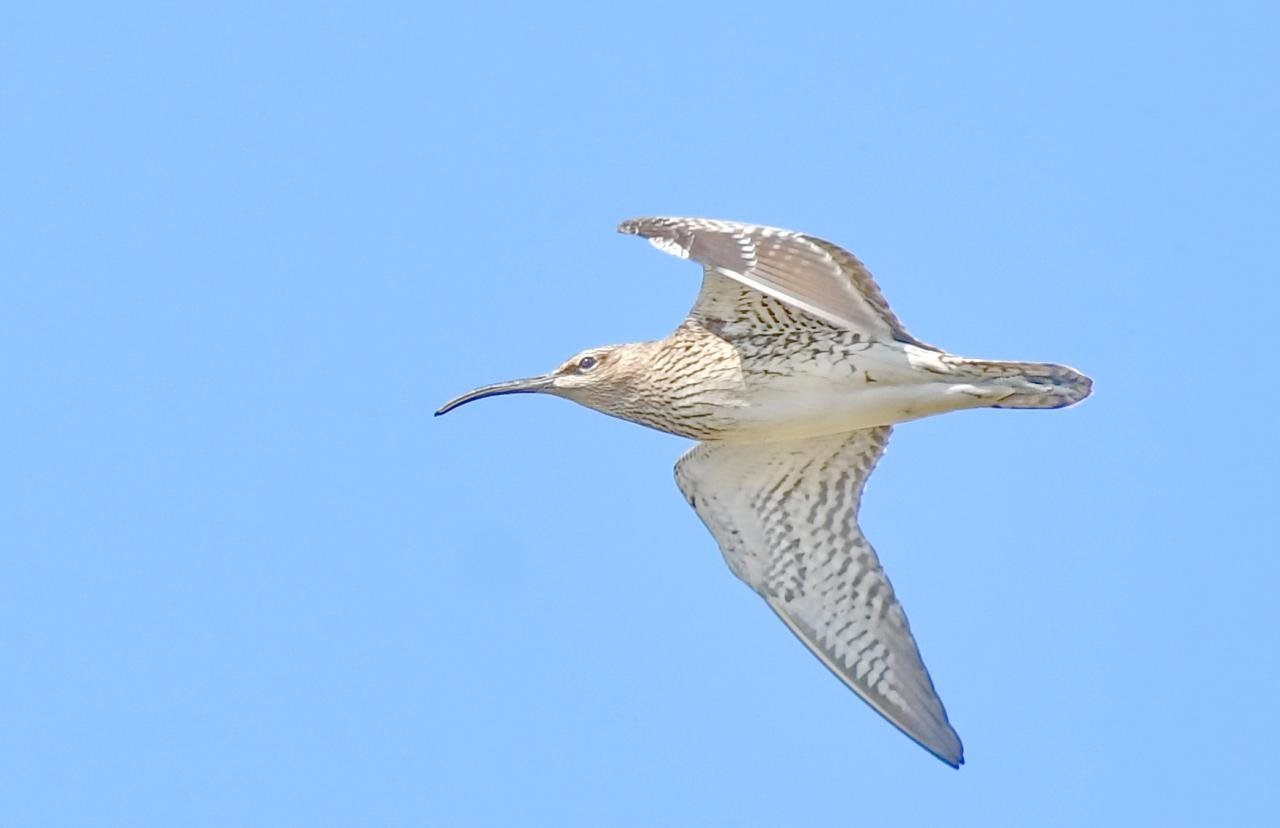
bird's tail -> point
(1032, 384)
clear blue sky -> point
(246, 249)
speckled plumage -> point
(790, 370)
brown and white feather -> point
(785, 517)
(813, 275)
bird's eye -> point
(586, 363)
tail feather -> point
(1032, 384)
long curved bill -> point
(529, 385)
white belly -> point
(795, 415)
(885, 386)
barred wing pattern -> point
(810, 274)
(785, 517)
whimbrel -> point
(790, 371)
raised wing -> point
(807, 273)
(786, 517)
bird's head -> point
(599, 378)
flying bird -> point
(790, 371)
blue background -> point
(247, 249)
